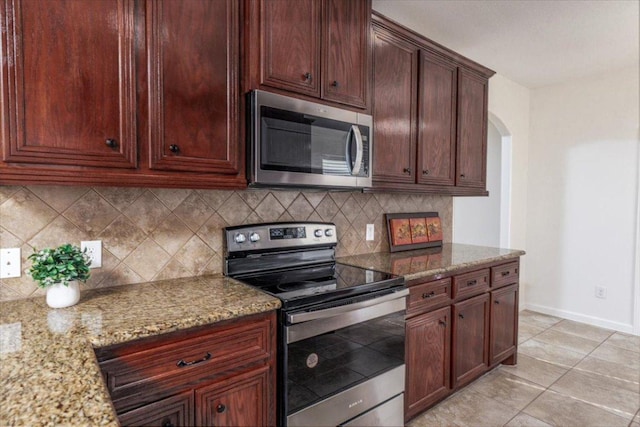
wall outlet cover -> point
(94, 250)
(370, 231)
(10, 263)
(601, 292)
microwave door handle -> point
(359, 150)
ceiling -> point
(531, 42)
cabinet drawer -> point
(427, 295)
(505, 274)
(469, 284)
(174, 411)
(194, 358)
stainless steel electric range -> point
(341, 328)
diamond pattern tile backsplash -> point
(154, 234)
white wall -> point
(583, 198)
(476, 220)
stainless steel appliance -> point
(301, 143)
(341, 328)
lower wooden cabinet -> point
(504, 324)
(428, 359)
(470, 339)
(457, 328)
(219, 375)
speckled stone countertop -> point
(432, 262)
(49, 374)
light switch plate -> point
(94, 250)
(370, 231)
(10, 263)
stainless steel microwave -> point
(301, 143)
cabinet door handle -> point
(334, 83)
(167, 423)
(425, 172)
(428, 295)
(181, 363)
(112, 143)
(442, 323)
(496, 302)
(461, 316)
(461, 175)
(174, 148)
(307, 76)
(407, 171)
(505, 273)
(221, 408)
(472, 282)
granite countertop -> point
(431, 263)
(48, 370)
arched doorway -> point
(486, 221)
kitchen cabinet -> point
(121, 92)
(430, 114)
(428, 338)
(314, 48)
(223, 374)
(470, 339)
(457, 327)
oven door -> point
(297, 142)
(344, 362)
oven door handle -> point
(306, 316)
(346, 316)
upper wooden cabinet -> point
(118, 92)
(70, 89)
(430, 114)
(314, 48)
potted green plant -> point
(58, 271)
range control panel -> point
(279, 235)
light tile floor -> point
(568, 374)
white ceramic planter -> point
(59, 295)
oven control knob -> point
(318, 233)
(239, 238)
(328, 232)
(254, 237)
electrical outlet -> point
(370, 231)
(601, 292)
(94, 250)
(10, 263)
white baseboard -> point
(627, 328)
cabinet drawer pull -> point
(505, 273)
(461, 316)
(442, 323)
(307, 76)
(425, 172)
(181, 363)
(461, 175)
(496, 302)
(167, 423)
(112, 143)
(174, 148)
(407, 171)
(221, 408)
(428, 295)
(472, 282)
(334, 83)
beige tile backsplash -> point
(153, 234)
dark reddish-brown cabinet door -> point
(504, 323)
(395, 68)
(193, 85)
(174, 411)
(472, 130)
(345, 71)
(68, 91)
(470, 339)
(437, 121)
(238, 401)
(428, 359)
(290, 37)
